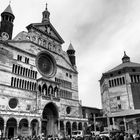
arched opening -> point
(85, 128)
(74, 126)
(11, 128)
(35, 127)
(122, 127)
(1, 127)
(23, 127)
(39, 88)
(68, 128)
(55, 91)
(44, 90)
(62, 125)
(28, 87)
(49, 120)
(79, 126)
(50, 91)
(62, 128)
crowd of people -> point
(117, 136)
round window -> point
(13, 103)
(68, 110)
(46, 64)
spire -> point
(7, 19)
(70, 47)
(125, 58)
(46, 7)
(8, 10)
(46, 15)
(71, 54)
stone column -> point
(58, 128)
(113, 122)
(4, 130)
(133, 79)
(94, 123)
(29, 128)
(17, 128)
(58, 125)
(39, 126)
(64, 128)
(125, 124)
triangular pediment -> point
(46, 29)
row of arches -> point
(48, 90)
(7, 18)
(72, 126)
(24, 71)
(23, 84)
(22, 127)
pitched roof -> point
(38, 25)
(8, 10)
(124, 65)
(70, 47)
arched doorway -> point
(23, 127)
(79, 126)
(122, 127)
(85, 128)
(62, 131)
(68, 128)
(34, 127)
(11, 128)
(50, 120)
(74, 126)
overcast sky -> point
(100, 31)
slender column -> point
(30, 133)
(58, 127)
(39, 127)
(19, 70)
(113, 122)
(4, 130)
(17, 128)
(108, 124)
(125, 124)
(136, 78)
(64, 128)
(94, 123)
(133, 78)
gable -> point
(47, 29)
(33, 49)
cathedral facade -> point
(39, 81)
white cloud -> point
(100, 30)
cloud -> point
(114, 29)
(100, 30)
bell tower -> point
(7, 18)
(71, 54)
(46, 15)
